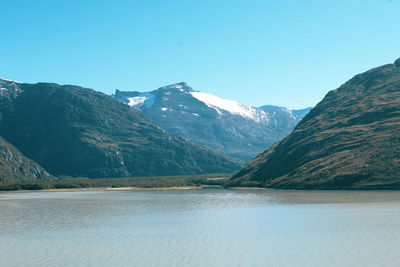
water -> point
(200, 228)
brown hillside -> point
(351, 139)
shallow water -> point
(200, 228)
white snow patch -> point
(137, 100)
(291, 115)
(144, 99)
(182, 106)
(9, 80)
(233, 107)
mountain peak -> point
(182, 86)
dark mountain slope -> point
(351, 139)
(15, 167)
(76, 131)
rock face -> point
(231, 127)
(15, 167)
(75, 131)
(351, 139)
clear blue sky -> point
(288, 53)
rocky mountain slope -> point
(231, 127)
(15, 167)
(75, 131)
(351, 139)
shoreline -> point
(108, 189)
(201, 187)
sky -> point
(286, 53)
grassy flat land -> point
(158, 182)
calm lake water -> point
(200, 228)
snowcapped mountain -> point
(229, 126)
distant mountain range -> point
(228, 126)
(350, 140)
(75, 131)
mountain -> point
(75, 131)
(228, 126)
(15, 167)
(300, 113)
(351, 139)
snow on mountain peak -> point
(233, 107)
(137, 100)
(9, 80)
(146, 99)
